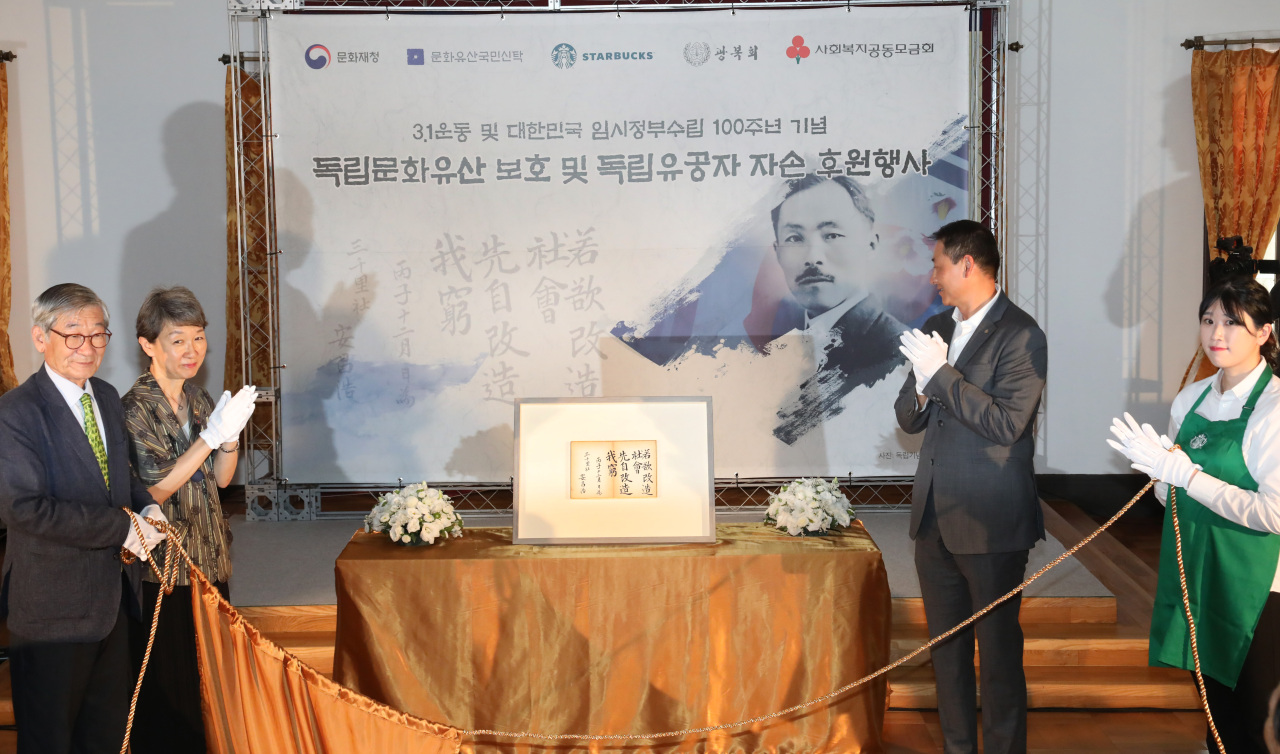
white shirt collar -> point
(978, 316)
(70, 391)
(829, 318)
(968, 324)
(1243, 387)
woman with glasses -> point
(184, 448)
(1224, 478)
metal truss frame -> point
(1026, 234)
(487, 500)
(259, 289)
(268, 493)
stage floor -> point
(291, 563)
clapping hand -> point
(925, 352)
(230, 416)
(1151, 452)
(240, 410)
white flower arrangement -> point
(414, 514)
(808, 505)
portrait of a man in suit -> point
(978, 370)
(826, 244)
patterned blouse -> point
(156, 441)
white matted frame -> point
(683, 511)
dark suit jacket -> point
(864, 351)
(979, 434)
(61, 570)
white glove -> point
(925, 352)
(1151, 452)
(230, 416)
(151, 536)
(155, 513)
(217, 428)
(239, 410)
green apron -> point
(1229, 567)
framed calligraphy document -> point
(613, 470)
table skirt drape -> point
(478, 633)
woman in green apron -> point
(1226, 476)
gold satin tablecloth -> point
(478, 633)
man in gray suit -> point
(67, 495)
(974, 387)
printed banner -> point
(475, 208)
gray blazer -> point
(980, 435)
(61, 565)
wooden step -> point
(1082, 644)
(906, 611)
(1072, 687)
(910, 610)
(1124, 574)
(315, 648)
(292, 618)
(6, 695)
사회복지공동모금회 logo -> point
(797, 49)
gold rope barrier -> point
(168, 578)
(173, 548)
(1191, 622)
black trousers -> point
(169, 717)
(1240, 714)
(71, 696)
(954, 587)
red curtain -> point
(8, 380)
(1237, 119)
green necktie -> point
(95, 437)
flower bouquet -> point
(414, 515)
(809, 506)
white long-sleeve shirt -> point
(71, 393)
(1261, 445)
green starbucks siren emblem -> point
(563, 55)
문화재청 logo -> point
(417, 56)
(797, 49)
(563, 55)
(318, 56)
(697, 53)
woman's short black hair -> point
(176, 306)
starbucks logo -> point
(563, 55)
(1198, 441)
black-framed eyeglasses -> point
(75, 340)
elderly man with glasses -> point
(68, 496)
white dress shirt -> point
(1261, 444)
(966, 327)
(71, 393)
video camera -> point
(1237, 259)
